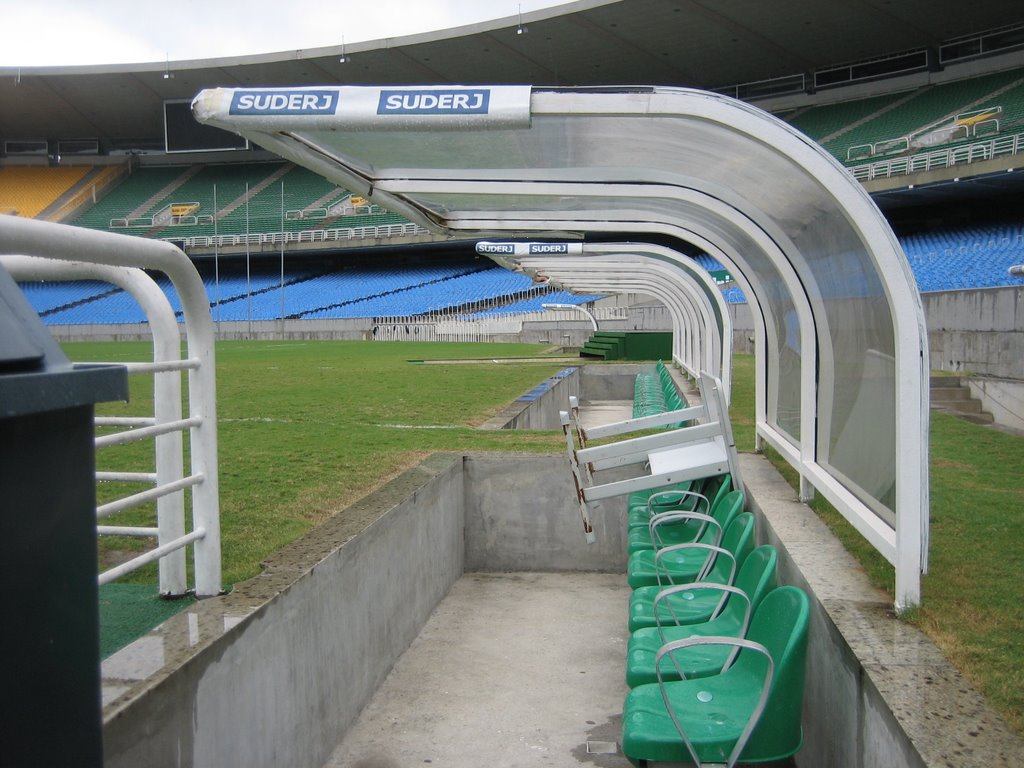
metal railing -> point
(305, 236)
(946, 157)
(444, 326)
(60, 252)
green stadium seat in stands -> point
(680, 563)
(676, 527)
(736, 604)
(690, 607)
(749, 712)
(669, 500)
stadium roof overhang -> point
(840, 337)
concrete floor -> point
(499, 678)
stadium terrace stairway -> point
(950, 395)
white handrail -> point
(305, 236)
(939, 158)
(78, 247)
(166, 389)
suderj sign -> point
(536, 248)
(434, 101)
(322, 102)
(499, 248)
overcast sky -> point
(66, 32)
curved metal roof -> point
(839, 330)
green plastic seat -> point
(638, 500)
(690, 606)
(681, 563)
(663, 500)
(749, 713)
(672, 527)
(756, 578)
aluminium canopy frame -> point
(840, 337)
(701, 325)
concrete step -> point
(950, 395)
(981, 417)
(945, 382)
(959, 406)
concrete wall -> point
(320, 629)
(977, 331)
(539, 408)
(611, 382)
(980, 331)
(1003, 398)
(742, 328)
(522, 515)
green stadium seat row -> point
(848, 130)
(232, 199)
(655, 393)
(717, 651)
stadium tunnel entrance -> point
(840, 338)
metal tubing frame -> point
(166, 367)
(19, 236)
(689, 322)
(698, 340)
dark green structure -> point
(51, 711)
(629, 345)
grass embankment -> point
(306, 428)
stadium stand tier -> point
(183, 201)
(29, 190)
(942, 259)
(947, 114)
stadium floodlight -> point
(577, 307)
(1017, 270)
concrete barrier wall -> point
(1003, 398)
(522, 515)
(539, 408)
(977, 331)
(980, 331)
(611, 382)
(318, 633)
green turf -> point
(305, 428)
(127, 611)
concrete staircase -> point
(950, 395)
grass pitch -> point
(305, 428)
